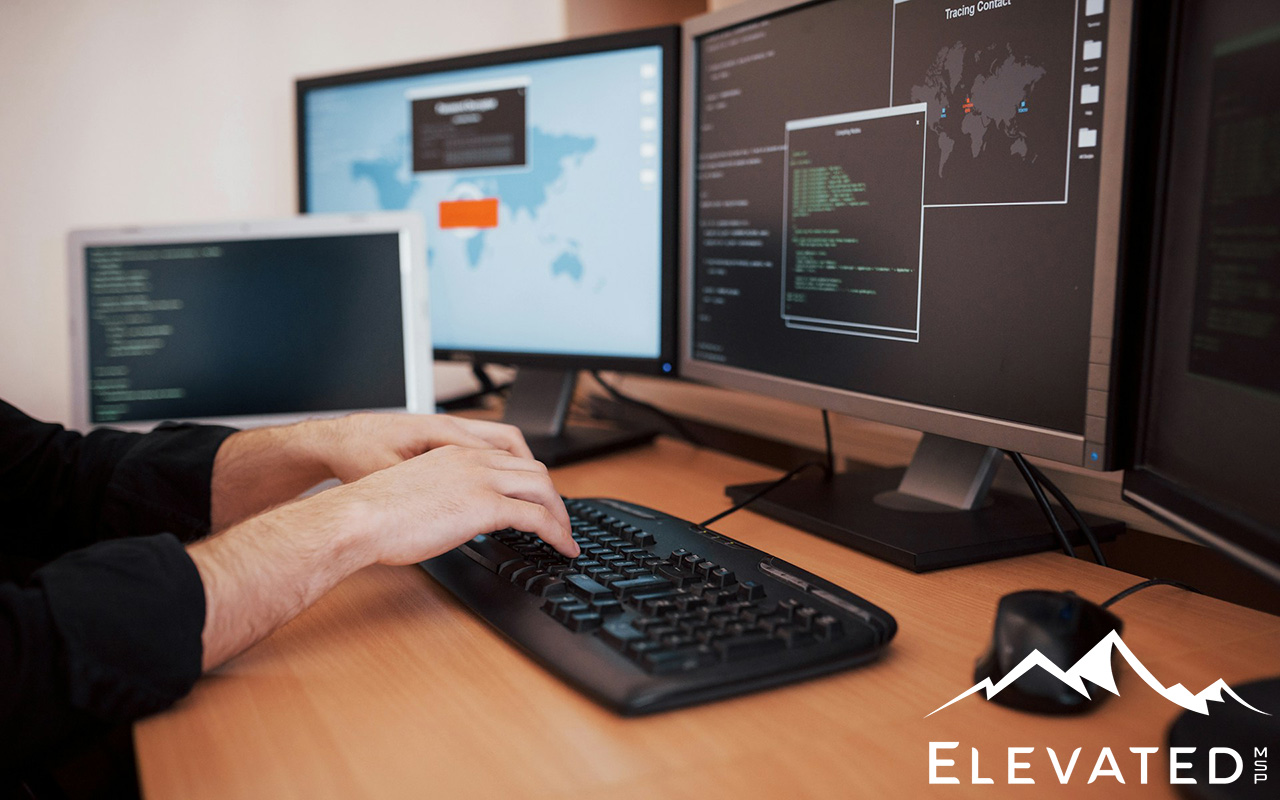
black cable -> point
(482, 375)
(1066, 503)
(1038, 493)
(763, 491)
(827, 466)
(1137, 587)
(672, 420)
(831, 452)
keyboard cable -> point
(827, 466)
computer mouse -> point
(1064, 627)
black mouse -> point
(1063, 626)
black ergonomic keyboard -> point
(658, 612)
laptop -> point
(249, 323)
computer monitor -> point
(912, 212)
(547, 179)
(249, 323)
(1207, 449)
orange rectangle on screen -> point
(469, 213)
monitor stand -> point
(538, 404)
(937, 513)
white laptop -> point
(249, 323)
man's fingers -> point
(501, 459)
(500, 435)
(533, 488)
(535, 518)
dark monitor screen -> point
(898, 202)
(546, 179)
(1208, 454)
(243, 328)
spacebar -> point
(488, 552)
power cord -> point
(827, 466)
(1038, 493)
(1147, 585)
(676, 424)
(1037, 481)
(1066, 503)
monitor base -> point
(576, 443)
(857, 509)
(1233, 726)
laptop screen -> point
(244, 328)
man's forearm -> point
(263, 572)
(257, 469)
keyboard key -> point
(510, 567)
(748, 646)
(676, 575)
(828, 627)
(546, 586)
(555, 601)
(583, 621)
(685, 658)
(722, 576)
(586, 588)
(794, 637)
(750, 590)
(519, 576)
(691, 562)
(564, 610)
(489, 553)
(787, 608)
(611, 578)
(607, 607)
(620, 634)
(640, 585)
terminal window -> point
(855, 222)
(244, 328)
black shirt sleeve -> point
(101, 636)
(111, 631)
(60, 490)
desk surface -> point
(389, 688)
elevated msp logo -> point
(1095, 667)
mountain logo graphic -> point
(1095, 666)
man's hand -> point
(360, 444)
(257, 469)
(261, 573)
(431, 504)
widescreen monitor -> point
(912, 212)
(249, 323)
(546, 178)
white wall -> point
(116, 112)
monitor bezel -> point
(665, 37)
(1094, 449)
(415, 321)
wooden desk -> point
(389, 688)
